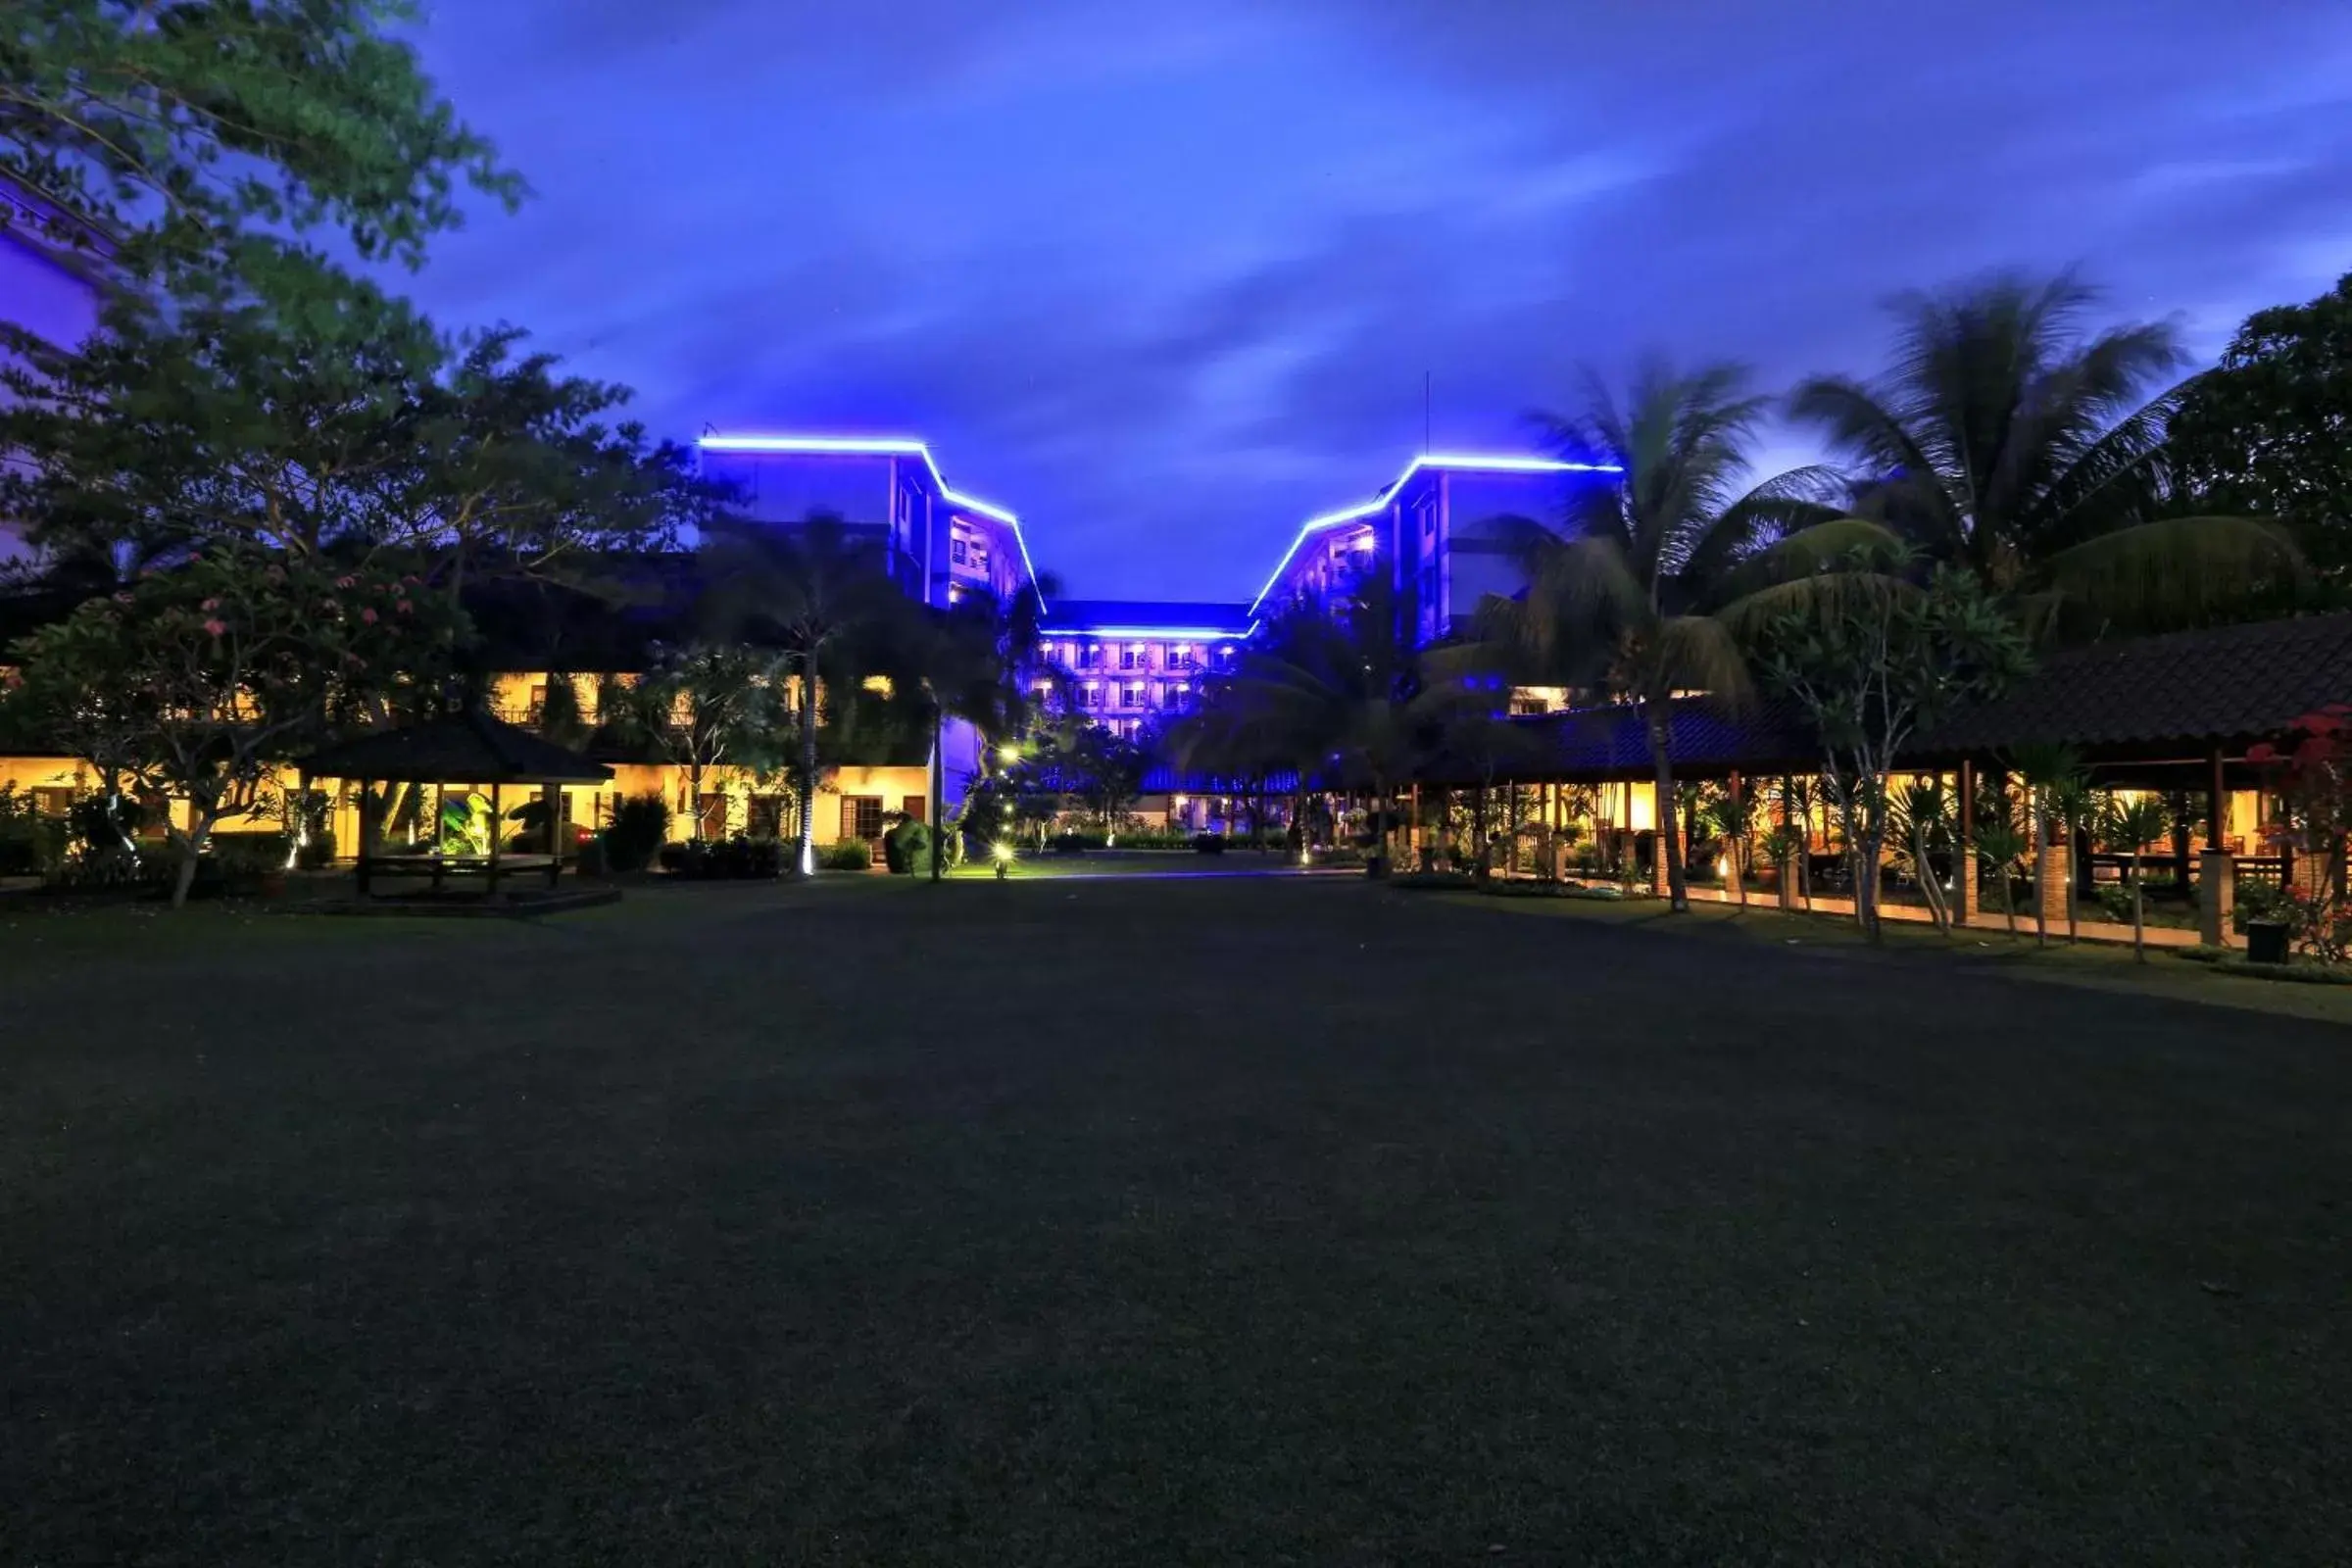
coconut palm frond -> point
(2175, 572)
(1699, 653)
(1819, 598)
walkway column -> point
(2051, 886)
(2217, 897)
(1964, 859)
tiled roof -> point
(471, 748)
(1087, 615)
(2228, 683)
(1592, 744)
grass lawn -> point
(1149, 1222)
(1988, 946)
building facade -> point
(1129, 665)
(1438, 531)
(49, 285)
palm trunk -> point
(2041, 877)
(806, 860)
(1670, 844)
(937, 782)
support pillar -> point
(2217, 897)
(2051, 885)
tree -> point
(2138, 822)
(2058, 791)
(1872, 663)
(199, 680)
(186, 123)
(183, 421)
(708, 705)
(2268, 430)
(2310, 771)
(1620, 598)
(970, 662)
(1732, 818)
(2007, 440)
(806, 588)
(1348, 697)
(2002, 845)
(1920, 819)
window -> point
(1093, 695)
(862, 817)
(1133, 696)
(1094, 656)
(1181, 657)
(1523, 706)
(1126, 659)
(1428, 519)
(955, 550)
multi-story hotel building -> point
(1129, 664)
(47, 285)
(1435, 528)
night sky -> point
(1165, 279)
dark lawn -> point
(1182, 1222)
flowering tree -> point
(1873, 664)
(2311, 771)
(710, 705)
(196, 681)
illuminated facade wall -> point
(1434, 530)
(943, 544)
(1130, 665)
(45, 286)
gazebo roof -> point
(469, 747)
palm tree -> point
(2050, 772)
(2000, 845)
(808, 588)
(1349, 695)
(1620, 599)
(2006, 438)
(968, 661)
(2138, 822)
(1732, 815)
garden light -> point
(1004, 852)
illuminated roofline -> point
(1206, 634)
(885, 446)
(1471, 461)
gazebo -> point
(469, 748)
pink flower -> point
(368, 615)
(123, 599)
(405, 608)
(212, 604)
(347, 582)
(218, 628)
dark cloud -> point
(1168, 279)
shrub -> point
(1073, 843)
(1208, 842)
(846, 855)
(2258, 901)
(740, 858)
(640, 823)
(907, 847)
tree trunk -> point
(2041, 876)
(694, 798)
(1678, 890)
(937, 783)
(2140, 948)
(191, 852)
(806, 859)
